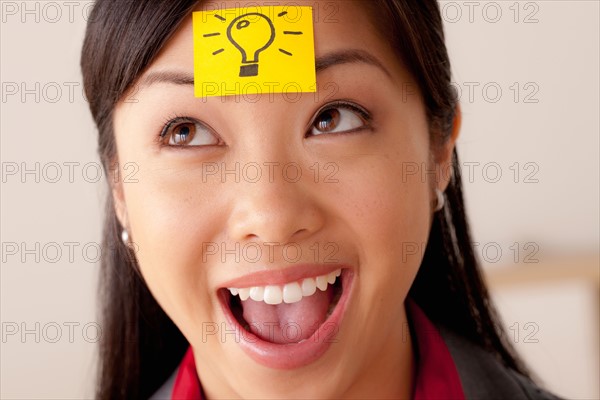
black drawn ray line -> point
(219, 17)
(293, 33)
(287, 53)
(281, 14)
(211, 34)
(218, 51)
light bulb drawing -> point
(251, 36)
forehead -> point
(343, 24)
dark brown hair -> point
(140, 345)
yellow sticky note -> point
(255, 50)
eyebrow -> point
(174, 77)
(327, 61)
(349, 57)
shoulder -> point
(481, 374)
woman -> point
(382, 298)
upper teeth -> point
(289, 293)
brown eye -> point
(327, 121)
(339, 119)
(188, 133)
(182, 134)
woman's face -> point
(273, 192)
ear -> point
(118, 196)
(443, 154)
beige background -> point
(550, 49)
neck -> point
(392, 371)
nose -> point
(279, 208)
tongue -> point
(287, 323)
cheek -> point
(386, 206)
(170, 217)
(389, 211)
(171, 221)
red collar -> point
(436, 375)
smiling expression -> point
(273, 208)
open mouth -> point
(290, 313)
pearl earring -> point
(125, 236)
(441, 200)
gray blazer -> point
(484, 377)
(481, 375)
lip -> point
(281, 276)
(291, 355)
